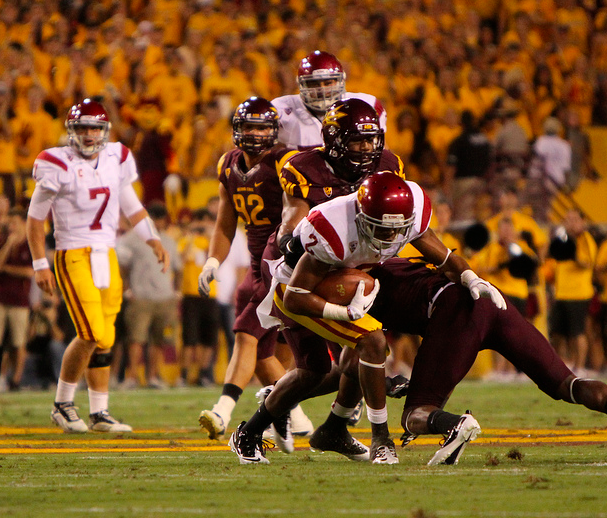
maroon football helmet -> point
(321, 79)
(257, 114)
(350, 121)
(386, 212)
(87, 114)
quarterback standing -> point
(86, 184)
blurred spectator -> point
(16, 275)
(573, 250)
(46, 344)
(581, 156)
(199, 315)
(151, 314)
(468, 163)
(8, 165)
(154, 154)
(550, 166)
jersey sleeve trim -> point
(326, 230)
(47, 157)
(124, 153)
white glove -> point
(481, 288)
(209, 272)
(361, 303)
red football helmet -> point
(87, 114)
(260, 114)
(349, 121)
(315, 70)
(386, 212)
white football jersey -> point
(330, 234)
(86, 207)
(299, 128)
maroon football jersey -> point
(307, 175)
(256, 194)
(16, 289)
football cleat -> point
(300, 423)
(383, 451)
(397, 386)
(104, 422)
(250, 449)
(213, 423)
(466, 430)
(357, 415)
(64, 415)
(340, 442)
(407, 437)
(281, 427)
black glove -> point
(291, 248)
(397, 386)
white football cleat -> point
(104, 422)
(466, 430)
(64, 415)
(213, 423)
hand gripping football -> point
(339, 286)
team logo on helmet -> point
(328, 191)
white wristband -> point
(467, 277)
(146, 229)
(40, 264)
(335, 312)
(212, 262)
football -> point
(339, 286)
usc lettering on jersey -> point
(88, 209)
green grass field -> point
(535, 458)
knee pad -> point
(100, 360)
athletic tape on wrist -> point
(146, 229)
(40, 264)
(335, 312)
(212, 262)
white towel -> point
(100, 266)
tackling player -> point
(86, 184)
(364, 228)
(322, 81)
(416, 298)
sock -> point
(342, 411)
(224, 408)
(441, 422)
(380, 429)
(377, 416)
(98, 401)
(259, 422)
(65, 391)
(234, 391)
(335, 422)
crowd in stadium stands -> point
(513, 83)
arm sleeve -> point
(129, 201)
(40, 204)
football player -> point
(454, 329)
(322, 81)
(86, 184)
(249, 189)
(358, 230)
